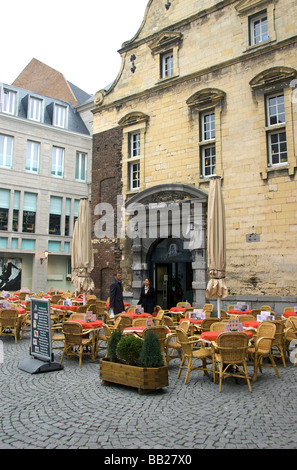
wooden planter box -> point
(145, 379)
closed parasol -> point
(82, 259)
(216, 244)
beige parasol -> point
(82, 259)
(216, 244)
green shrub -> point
(129, 348)
(112, 345)
(151, 355)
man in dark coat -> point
(147, 297)
(116, 301)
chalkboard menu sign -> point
(41, 343)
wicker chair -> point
(230, 307)
(76, 343)
(57, 335)
(217, 326)
(183, 304)
(278, 343)
(9, 323)
(161, 332)
(170, 323)
(290, 334)
(82, 309)
(139, 322)
(205, 325)
(121, 322)
(288, 309)
(243, 318)
(158, 319)
(190, 355)
(254, 312)
(207, 308)
(231, 353)
(76, 316)
(262, 347)
(173, 345)
(266, 308)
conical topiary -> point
(112, 345)
(151, 355)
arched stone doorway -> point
(169, 220)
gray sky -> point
(79, 38)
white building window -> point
(35, 108)
(58, 162)
(81, 167)
(6, 148)
(166, 65)
(32, 158)
(258, 28)
(9, 101)
(134, 176)
(134, 145)
(60, 113)
(276, 134)
(208, 152)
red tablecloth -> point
(89, 324)
(139, 329)
(21, 310)
(213, 335)
(12, 299)
(289, 314)
(251, 324)
(239, 312)
(72, 308)
(177, 309)
(126, 304)
(193, 320)
(136, 315)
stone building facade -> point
(206, 88)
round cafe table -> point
(136, 315)
(289, 314)
(72, 308)
(92, 325)
(239, 312)
(209, 336)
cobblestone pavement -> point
(73, 409)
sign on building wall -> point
(10, 273)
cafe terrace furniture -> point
(262, 347)
(173, 347)
(139, 322)
(207, 308)
(183, 304)
(136, 315)
(218, 326)
(212, 336)
(158, 319)
(278, 342)
(76, 343)
(289, 313)
(9, 323)
(290, 333)
(190, 355)
(57, 335)
(169, 323)
(121, 322)
(267, 308)
(230, 354)
(206, 322)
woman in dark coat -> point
(147, 297)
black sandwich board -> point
(41, 357)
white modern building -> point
(45, 168)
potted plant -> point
(134, 362)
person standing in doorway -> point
(147, 297)
(116, 301)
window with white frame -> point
(81, 166)
(166, 65)
(134, 175)
(134, 144)
(6, 149)
(258, 28)
(35, 108)
(32, 157)
(58, 162)
(60, 113)
(9, 101)
(276, 133)
(208, 147)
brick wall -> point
(106, 186)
